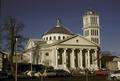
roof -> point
(90, 12)
(34, 40)
(108, 58)
(116, 59)
(59, 29)
(74, 37)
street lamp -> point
(16, 57)
(16, 39)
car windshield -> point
(116, 72)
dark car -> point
(51, 73)
(3, 74)
(60, 72)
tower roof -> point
(59, 28)
(90, 12)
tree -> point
(12, 31)
(106, 53)
(1, 37)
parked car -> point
(115, 76)
(60, 72)
(102, 72)
(57, 72)
(48, 73)
(3, 74)
(51, 73)
(30, 73)
(37, 74)
(22, 75)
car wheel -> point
(114, 78)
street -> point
(75, 78)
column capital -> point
(65, 48)
(88, 49)
(56, 48)
(81, 49)
(73, 48)
(95, 49)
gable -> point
(77, 40)
(31, 42)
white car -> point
(38, 74)
(115, 76)
(31, 73)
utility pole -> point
(16, 39)
(16, 56)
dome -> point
(59, 29)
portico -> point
(76, 57)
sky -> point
(40, 15)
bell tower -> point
(91, 26)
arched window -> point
(43, 38)
(93, 20)
(91, 32)
(63, 37)
(59, 37)
(87, 32)
(97, 32)
(50, 38)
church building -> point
(61, 48)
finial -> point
(58, 22)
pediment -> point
(77, 40)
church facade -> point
(62, 49)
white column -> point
(81, 58)
(78, 59)
(43, 57)
(92, 54)
(64, 58)
(40, 58)
(95, 57)
(88, 58)
(72, 59)
(100, 60)
(31, 58)
(56, 57)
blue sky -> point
(40, 15)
